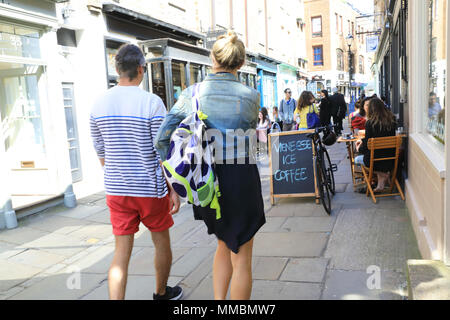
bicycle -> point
(324, 168)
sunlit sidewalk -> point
(360, 252)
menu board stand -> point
(292, 168)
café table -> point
(350, 142)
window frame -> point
(316, 34)
(315, 62)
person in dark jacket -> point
(325, 109)
(338, 109)
(381, 123)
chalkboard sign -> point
(291, 165)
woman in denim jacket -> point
(232, 114)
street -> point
(301, 252)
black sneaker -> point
(174, 293)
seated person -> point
(380, 123)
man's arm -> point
(281, 111)
(97, 139)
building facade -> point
(57, 56)
(329, 24)
(412, 69)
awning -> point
(132, 22)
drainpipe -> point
(231, 15)
(70, 201)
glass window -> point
(361, 64)
(318, 56)
(340, 59)
(435, 113)
(252, 81)
(316, 23)
(72, 131)
(20, 108)
(158, 81)
(179, 79)
(19, 41)
(196, 73)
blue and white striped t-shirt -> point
(124, 124)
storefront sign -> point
(372, 44)
(291, 165)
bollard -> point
(10, 215)
(70, 201)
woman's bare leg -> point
(222, 271)
(241, 281)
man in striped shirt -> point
(124, 124)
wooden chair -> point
(394, 142)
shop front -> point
(287, 78)
(33, 169)
(267, 83)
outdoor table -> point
(351, 153)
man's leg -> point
(163, 259)
(118, 272)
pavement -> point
(359, 252)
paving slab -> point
(273, 224)
(93, 231)
(142, 263)
(353, 285)
(268, 268)
(21, 235)
(191, 282)
(37, 258)
(56, 287)
(58, 244)
(79, 212)
(138, 288)
(200, 238)
(56, 224)
(309, 224)
(281, 290)
(8, 250)
(294, 244)
(305, 270)
(428, 280)
(366, 237)
(13, 273)
(188, 263)
(101, 217)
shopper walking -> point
(124, 123)
(325, 109)
(286, 110)
(305, 105)
(338, 110)
(241, 202)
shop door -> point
(158, 82)
(72, 132)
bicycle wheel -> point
(329, 172)
(322, 185)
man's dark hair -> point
(128, 59)
(286, 90)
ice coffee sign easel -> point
(292, 171)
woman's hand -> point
(358, 144)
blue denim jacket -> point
(229, 105)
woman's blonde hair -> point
(229, 51)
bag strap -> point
(196, 97)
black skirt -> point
(241, 205)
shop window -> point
(252, 81)
(72, 131)
(178, 78)
(435, 113)
(195, 73)
(340, 59)
(318, 55)
(158, 81)
(66, 37)
(112, 47)
(316, 23)
(19, 41)
(20, 110)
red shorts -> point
(128, 212)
